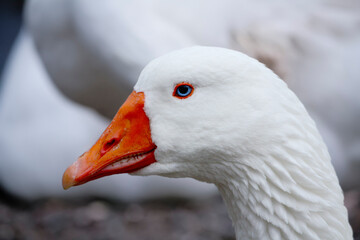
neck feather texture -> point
(289, 192)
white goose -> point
(221, 117)
(99, 48)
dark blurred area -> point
(10, 21)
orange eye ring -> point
(183, 90)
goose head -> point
(219, 116)
(230, 112)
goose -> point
(219, 116)
(41, 131)
(99, 48)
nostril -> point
(109, 145)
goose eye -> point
(183, 90)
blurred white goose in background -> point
(318, 57)
(42, 133)
(94, 52)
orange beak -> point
(125, 146)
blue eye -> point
(183, 90)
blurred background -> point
(67, 65)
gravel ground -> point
(98, 219)
(104, 220)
